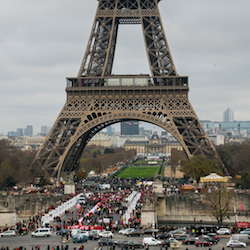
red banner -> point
(86, 227)
(243, 224)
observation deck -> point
(126, 81)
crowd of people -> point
(110, 211)
(108, 215)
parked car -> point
(246, 231)
(151, 231)
(75, 231)
(133, 244)
(214, 235)
(241, 237)
(223, 231)
(41, 232)
(135, 232)
(203, 243)
(236, 243)
(121, 243)
(8, 233)
(181, 229)
(85, 233)
(190, 240)
(182, 237)
(124, 231)
(178, 232)
(208, 238)
(106, 234)
(166, 243)
(79, 238)
(163, 236)
(106, 242)
(93, 236)
(95, 231)
(150, 241)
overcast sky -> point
(43, 42)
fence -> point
(58, 211)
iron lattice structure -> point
(97, 99)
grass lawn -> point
(141, 162)
(139, 171)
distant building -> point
(228, 115)
(217, 139)
(118, 141)
(147, 132)
(29, 130)
(110, 130)
(228, 126)
(45, 130)
(28, 142)
(100, 140)
(153, 146)
(130, 128)
(12, 133)
(20, 132)
(4, 137)
(164, 134)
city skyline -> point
(117, 127)
(209, 42)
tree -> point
(45, 179)
(245, 180)
(14, 165)
(236, 159)
(109, 151)
(96, 152)
(5, 149)
(104, 161)
(7, 176)
(199, 166)
(229, 154)
(81, 174)
(219, 202)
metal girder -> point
(90, 109)
(99, 55)
(93, 103)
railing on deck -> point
(128, 81)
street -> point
(29, 242)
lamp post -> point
(154, 221)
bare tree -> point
(219, 202)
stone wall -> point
(148, 215)
(196, 204)
(16, 208)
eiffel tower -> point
(97, 99)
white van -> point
(41, 232)
(150, 241)
(81, 201)
(105, 186)
(241, 237)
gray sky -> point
(43, 42)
